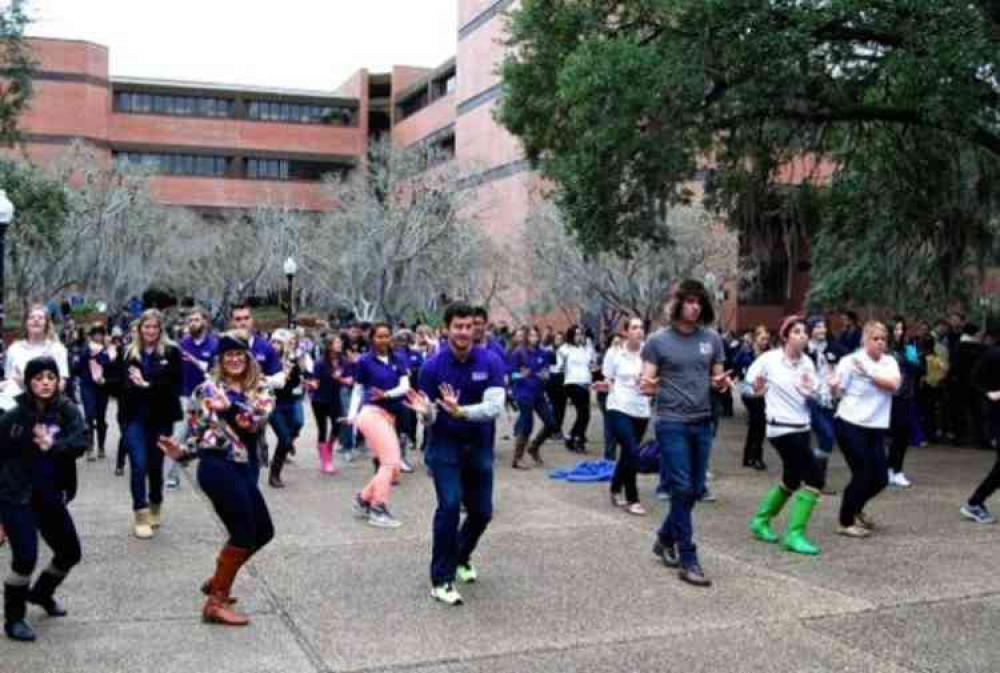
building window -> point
(302, 113)
(436, 89)
(267, 169)
(259, 168)
(174, 163)
(189, 106)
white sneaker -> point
(901, 480)
(445, 593)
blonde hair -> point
(251, 380)
(135, 348)
(50, 329)
(872, 327)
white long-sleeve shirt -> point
(576, 362)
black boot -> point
(274, 475)
(42, 593)
(14, 599)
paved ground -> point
(568, 583)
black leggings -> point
(557, 396)
(753, 447)
(899, 432)
(326, 415)
(579, 396)
(798, 463)
(49, 518)
(232, 489)
(864, 450)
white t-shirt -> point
(623, 368)
(789, 387)
(22, 352)
(862, 402)
(577, 361)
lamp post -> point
(290, 268)
(6, 217)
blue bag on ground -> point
(586, 472)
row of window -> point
(211, 106)
(256, 168)
(438, 88)
(186, 106)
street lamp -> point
(290, 268)
(6, 217)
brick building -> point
(217, 146)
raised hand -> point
(418, 402)
(449, 399)
(759, 384)
(724, 381)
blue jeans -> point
(469, 481)
(821, 419)
(627, 432)
(145, 462)
(95, 411)
(685, 449)
(232, 488)
(526, 410)
(283, 422)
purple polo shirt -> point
(481, 370)
(526, 388)
(203, 351)
(371, 373)
(266, 356)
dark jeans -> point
(232, 488)
(326, 415)
(146, 462)
(685, 449)
(557, 395)
(798, 462)
(821, 419)
(864, 450)
(469, 482)
(989, 485)
(610, 443)
(95, 411)
(899, 432)
(526, 410)
(122, 448)
(929, 411)
(753, 447)
(285, 425)
(48, 518)
(627, 432)
(579, 396)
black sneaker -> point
(667, 554)
(693, 574)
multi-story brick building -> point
(218, 146)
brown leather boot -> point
(519, 444)
(535, 448)
(217, 608)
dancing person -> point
(753, 447)
(786, 379)
(327, 380)
(529, 366)
(865, 382)
(38, 338)
(241, 318)
(681, 364)
(555, 388)
(150, 407)
(461, 395)
(285, 419)
(903, 401)
(229, 412)
(40, 440)
(628, 414)
(986, 379)
(94, 359)
(825, 355)
(577, 362)
(198, 352)
(381, 381)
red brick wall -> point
(416, 127)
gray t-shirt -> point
(684, 367)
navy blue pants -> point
(232, 489)
(685, 449)
(95, 410)
(146, 462)
(627, 432)
(864, 450)
(527, 407)
(469, 481)
(49, 518)
(286, 426)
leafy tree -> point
(17, 67)
(621, 104)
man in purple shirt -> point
(480, 319)
(265, 355)
(461, 395)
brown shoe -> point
(206, 588)
(694, 575)
(219, 587)
(216, 611)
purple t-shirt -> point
(526, 388)
(266, 356)
(371, 373)
(191, 375)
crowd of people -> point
(184, 393)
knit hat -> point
(787, 324)
(813, 321)
(37, 366)
(235, 340)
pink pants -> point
(379, 428)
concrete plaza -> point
(567, 582)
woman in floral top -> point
(229, 412)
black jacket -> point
(162, 399)
(18, 452)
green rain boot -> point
(795, 539)
(760, 524)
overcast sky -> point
(305, 44)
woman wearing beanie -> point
(825, 355)
(151, 404)
(40, 440)
(753, 446)
(865, 380)
(786, 379)
(229, 412)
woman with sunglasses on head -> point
(229, 412)
(785, 379)
(865, 382)
(40, 440)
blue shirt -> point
(372, 373)
(266, 356)
(526, 388)
(470, 379)
(191, 375)
(328, 390)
